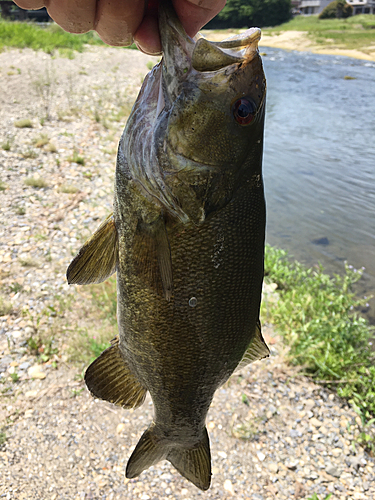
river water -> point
(319, 161)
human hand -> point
(118, 22)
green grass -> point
(315, 497)
(48, 39)
(352, 33)
(21, 35)
(318, 318)
(313, 23)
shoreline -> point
(300, 41)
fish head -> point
(203, 108)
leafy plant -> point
(317, 315)
(315, 497)
(43, 348)
(15, 377)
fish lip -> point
(198, 53)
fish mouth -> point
(198, 53)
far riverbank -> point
(298, 40)
(351, 37)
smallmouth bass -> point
(187, 242)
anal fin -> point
(97, 259)
(257, 349)
(109, 378)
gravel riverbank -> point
(274, 434)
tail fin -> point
(192, 463)
(149, 451)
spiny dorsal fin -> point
(194, 463)
(257, 349)
(109, 378)
(153, 256)
(97, 259)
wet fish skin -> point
(187, 237)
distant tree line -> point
(248, 13)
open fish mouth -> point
(201, 54)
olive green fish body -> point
(187, 241)
(183, 349)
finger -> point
(147, 35)
(116, 21)
(31, 4)
(194, 14)
(73, 16)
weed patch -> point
(76, 158)
(7, 145)
(36, 182)
(5, 307)
(68, 188)
(25, 123)
(41, 141)
(317, 316)
(29, 154)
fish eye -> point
(244, 111)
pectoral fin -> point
(110, 378)
(97, 259)
(153, 256)
(257, 349)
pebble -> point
(35, 371)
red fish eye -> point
(244, 111)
